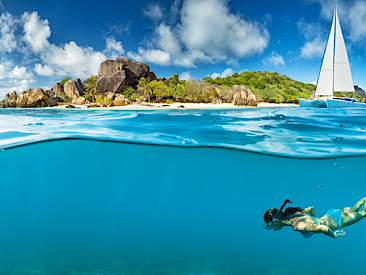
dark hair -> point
(289, 211)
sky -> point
(43, 42)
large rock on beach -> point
(36, 98)
(121, 101)
(80, 101)
(74, 88)
(243, 96)
(58, 89)
(133, 70)
(113, 82)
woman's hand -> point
(339, 233)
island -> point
(122, 82)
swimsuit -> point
(336, 215)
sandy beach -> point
(174, 106)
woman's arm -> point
(308, 227)
(310, 210)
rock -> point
(120, 101)
(70, 107)
(80, 101)
(74, 88)
(36, 98)
(11, 103)
(58, 89)
(360, 91)
(251, 99)
(239, 95)
(181, 107)
(152, 76)
(133, 70)
(93, 106)
(110, 95)
(114, 82)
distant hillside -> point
(267, 86)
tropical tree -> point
(144, 86)
(63, 81)
(160, 90)
(176, 86)
(92, 89)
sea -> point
(177, 192)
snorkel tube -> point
(278, 214)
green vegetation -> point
(104, 99)
(91, 89)
(267, 86)
(63, 81)
(130, 93)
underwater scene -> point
(177, 192)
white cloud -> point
(313, 48)
(113, 48)
(20, 72)
(36, 31)
(185, 76)
(275, 60)
(154, 56)
(154, 11)
(225, 73)
(7, 37)
(67, 59)
(314, 82)
(351, 14)
(315, 39)
(44, 70)
(208, 32)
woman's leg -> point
(349, 218)
(355, 208)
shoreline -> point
(172, 106)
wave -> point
(289, 132)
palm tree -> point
(174, 83)
(144, 86)
(92, 89)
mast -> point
(334, 48)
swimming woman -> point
(304, 221)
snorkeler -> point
(304, 221)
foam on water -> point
(291, 132)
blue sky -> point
(43, 42)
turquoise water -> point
(176, 192)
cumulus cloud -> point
(113, 48)
(208, 32)
(67, 59)
(275, 60)
(20, 72)
(154, 11)
(185, 76)
(44, 70)
(225, 73)
(7, 36)
(351, 14)
(313, 48)
(315, 39)
(154, 56)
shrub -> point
(63, 81)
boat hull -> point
(334, 103)
(313, 103)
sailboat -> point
(335, 74)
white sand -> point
(164, 106)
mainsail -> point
(335, 73)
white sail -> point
(342, 70)
(325, 80)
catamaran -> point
(335, 74)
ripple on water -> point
(294, 132)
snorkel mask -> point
(278, 214)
